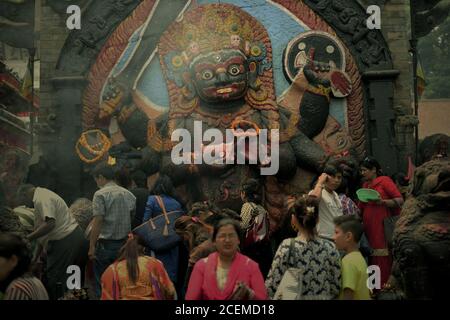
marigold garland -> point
(99, 149)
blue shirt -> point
(170, 257)
(153, 210)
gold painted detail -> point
(111, 103)
(126, 112)
(320, 90)
(156, 140)
(380, 252)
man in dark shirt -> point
(141, 193)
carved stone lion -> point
(421, 243)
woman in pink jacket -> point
(226, 274)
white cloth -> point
(49, 204)
(330, 207)
(221, 275)
(26, 217)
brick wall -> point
(396, 26)
(396, 30)
(53, 34)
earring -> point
(294, 227)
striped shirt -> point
(348, 206)
(26, 288)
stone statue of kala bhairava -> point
(217, 64)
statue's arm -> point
(308, 153)
(312, 76)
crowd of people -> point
(140, 243)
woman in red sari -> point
(374, 212)
(226, 274)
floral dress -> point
(320, 260)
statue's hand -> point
(298, 80)
(222, 152)
(112, 99)
(340, 84)
(346, 162)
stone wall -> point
(53, 34)
(61, 91)
(396, 26)
(52, 135)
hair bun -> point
(306, 212)
(309, 221)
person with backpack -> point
(314, 261)
(163, 201)
(255, 224)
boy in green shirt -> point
(347, 233)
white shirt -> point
(49, 204)
(330, 207)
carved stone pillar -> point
(67, 111)
(380, 117)
(404, 128)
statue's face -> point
(220, 76)
(337, 139)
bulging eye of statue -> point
(207, 74)
(234, 70)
